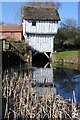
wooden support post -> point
(46, 65)
(46, 55)
(35, 54)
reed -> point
(22, 101)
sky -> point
(10, 11)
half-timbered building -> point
(40, 27)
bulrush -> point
(23, 102)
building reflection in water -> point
(43, 78)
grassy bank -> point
(66, 57)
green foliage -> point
(20, 46)
(68, 36)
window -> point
(28, 36)
(33, 23)
(12, 33)
(3, 33)
(55, 21)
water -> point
(44, 78)
(66, 80)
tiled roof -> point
(10, 28)
(40, 13)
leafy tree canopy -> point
(68, 36)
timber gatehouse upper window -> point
(33, 23)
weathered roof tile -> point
(40, 13)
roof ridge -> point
(39, 6)
(10, 28)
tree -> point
(69, 24)
(46, 3)
(67, 36)
(2, 23)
